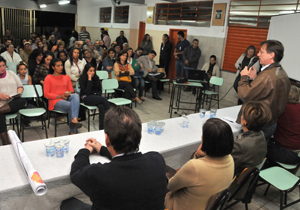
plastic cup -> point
(66, 142)
(162, 125)
(151, 126)
(59, 148)
(50, 149)
(159, 128)
(213, 113)
(202, 113)
(56, 141)
(185, 121)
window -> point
(196, 13)
(121, 14)
(105, 15)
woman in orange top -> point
(123, 70)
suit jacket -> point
(165, 51)
(145, 61)
(192, 55)
(135, 181)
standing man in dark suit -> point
(121, 39)
(131, 180)
(165, 53)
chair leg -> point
(22, 123)
(45, 125)
(48, 115)
(89, 123)
(55, 124)
(246, 206)
(169, 87)
(267, 189)
(285, 198)
(218, 101)
(281, 200)
(17, 124)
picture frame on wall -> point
(150, 13)
(219, 12)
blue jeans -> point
(179, 68)
(71, 106)
(139, 83)
(269, 130)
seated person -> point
(138, 53)
(212, 68)
(250, 147)
(91, 91)
(109, 61)
(10, 55)
(117, 48)
(42, 70)
(10, 84)
(285, 147)
(88, 59)
(61, 97)
(207, 173)
(94, 54)
(149, 68)
(35, 59)
(123, 70)
(137, 78)
(22, 73)
(131, 180)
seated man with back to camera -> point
(131, 180)
(149, 68)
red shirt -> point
(56, 85)
(287, 133)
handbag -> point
(162, 70)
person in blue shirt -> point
(181, 45)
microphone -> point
(254, 60)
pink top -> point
(3, 75)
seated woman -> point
(285, 148)
(10, 55)
(10, 84)
(123, 70)
(91, 91)
(109, 61)
(209, 172)
(35, 59)
(42, 70)
(250, 147)
(63, 57)
(137, 79)
(61, 97)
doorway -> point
(142, 27)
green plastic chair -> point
(102, 74)
(56, 113)
(12, 66)
(13, 120)
(213, 81)
(89, 108)
(282, 180)
(163, 81)
(109, 84)
(33, 91)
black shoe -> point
(157, 97)
(75, 125)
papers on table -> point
(229, 119)
(36, 182)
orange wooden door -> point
(238, 40)
(142, 26)
(174, 39)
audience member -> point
(20, 49)
(10, 84)
(51, 42)
(63, 57)
(250, 147)
(40, 45)
(43, 69)
(86, 45)
(84, 34)
(91, 91)
(35, 44)
(56, 33)
(101, 32)
(103, 45)
(80, 46)
(26, 52)
(149, 68)
(74, 66)
(131, 180)
(99, 48)
(45, 43)
(8, 36)
(123, 70)
(117, 48)
(73, 38)
(60, 48)
(179, 49)
(45, 49)
(165, 53)
(22, 73)
(121, 39)
(89, 59)
(109, 61)
(10, 55)
(125, 46)
(211, 67)
(113, 44)
(271, 86)
(137, 79)
(94, 53)
(60, 93)
(285, 147)
(32, 37)
(34, 60)
(6, 43)
(207, 173)
(138, 53)
(2, 46)
(146, 44)
(190, 57)
(22, 41)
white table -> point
(176, 144)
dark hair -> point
(71, 55)
(105, 32)
(122, 31)
(257, 114)
(129, 48)
(122, 52)
(251, 47)
(21, 42)
(140, 48)
(60, 44)
(84, 75)
(35, 53)
(74, 34)
(58, 54)
(8, 40)
(2, 60)
(117, 45)
(101, 29)
(111, 49)
(213, 56)
(180, 33)
(52, 65)
(217, 138)
(21, 63)
(152, 52)
(124, 129)
(195, 40)
(276, 47)
(46, 55)
(167, 36)
(84, 52)
(7, 46)
(145, 38)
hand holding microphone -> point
(250, 69)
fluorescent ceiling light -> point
(286, 12)
(43, 5)
(63, 2)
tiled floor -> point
(157, 110)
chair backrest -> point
(12, 66)
(30, 92)
(218, 200)
(110, 84)
(216, 81)
(112, 74)
(243, 186)
(78, 87)
(102, 74)
(261, 164)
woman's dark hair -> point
(52, 65)
(140, 48)
(257, 114)
(129, 49)
(124, 129)
(84, 75)
(2, 60)
(213, 56)
(276, 47)
(62, 52)
(75, 34)
(46, 55)
(21, 42)
(60, 44)
(251, 47)
(122, 52)
(217, 138)
(145, 38)
(35, 53)
(111, 49)
(71, 55)
(167, 36)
